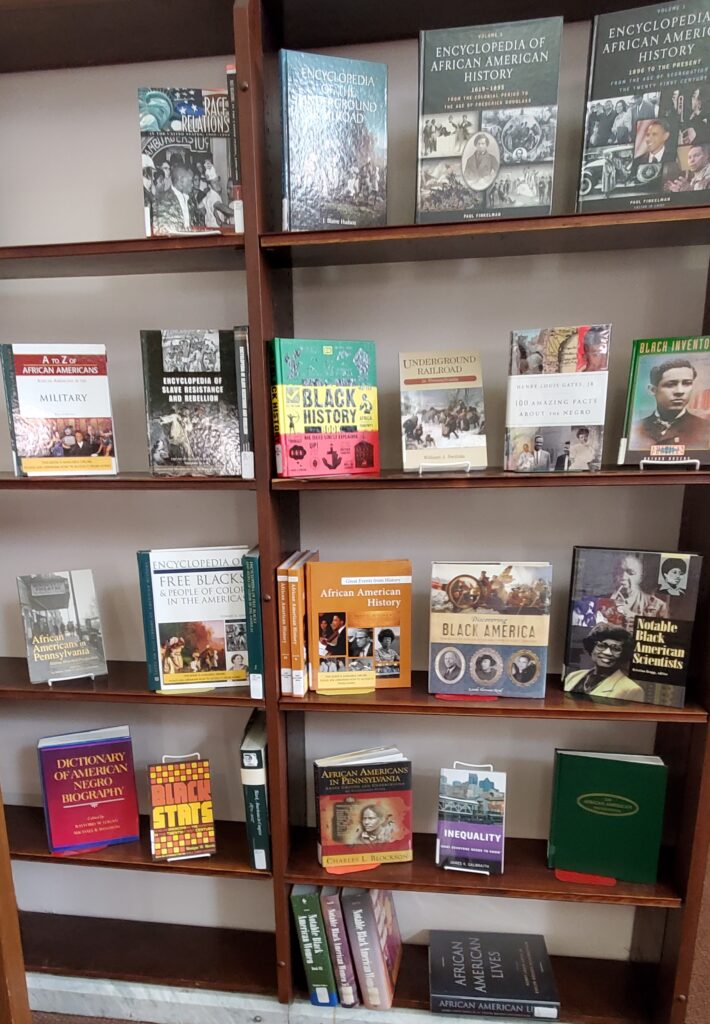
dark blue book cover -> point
(647, 126)
(334, 130)
(487, 120)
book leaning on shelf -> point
(181, 811)
(470, 834)
(487, 120)
(646, 134)
(59, 408)
(375, 942)
(197, 402)
(256, 791)
(557, 387)
(310, 928)
(293, 652)
(334, 142)
(197, 618)
(339, 946)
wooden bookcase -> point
(50, 34)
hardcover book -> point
(334, 142)
(556, 399)
(307, 914)
(492, 974)
(324, 405)
(607, 814)
(192, 402)
(668, 402)
(630, 624)
(488, 628)
(181, 815)
(298, 624)
(470, 834)
(282, 591)
(88, 789)
(59, 409)
(340, 956)
(187, 158)
(60, 617)
(647, 134)
(194, 617)
(443, 419)
(375, 941)
(256, 790)
(234, 182)
(255, 636)
(487, 120)
(363, 808)
(359, 625)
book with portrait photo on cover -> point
(487, 120)
(488, 628)
(668, 402)
(556, 401)
(647, 125)
(630, 624)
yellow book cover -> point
(359, 625)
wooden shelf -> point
(124, 482)
(28, 841)
(416, 700)
(397, 479)
(125, 256)
(158, 954)
(591, 991)
(126, 682)
(593, 232)
(526, 876)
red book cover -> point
(89, 789)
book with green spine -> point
(255, 638)
(308, 915)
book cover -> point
(470, 833)
(607, 814)
(255, 636)
(487, 120)
(59, 408)
(364, 812)
(630, 624)
(256, 790)
(191, 400)
(443, 418)
(646, 132)
(668, 401)
(186, 157)
(282, 593)
(334, 142)
(194, 617)
(491, 974)
(359, 625)
(62, 625)
(375, 941)
(181, 814)
(340, 956)
(307, 914)
(324, 405)
(298, 623)
(556, 401)
(488, 628)
(88, 789)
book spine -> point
(296, 605)
(339, 949)
(278, 425)
(12, 401)
(417, 214)
(513, 1009)
(628, 412)
(256, 805)
(587, 100)
(285, 195)
(146, 340)
(235, 199)
(284, 632)
(314, 949)
(375, 987)
(551, 839)
(255, 637)
(244, 403)
(152, 649)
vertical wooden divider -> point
(14, 1006)
(270, 304)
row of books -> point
(197, 400)
(201, 619)
(606, 814)
(325, 414)
(93, 773)
(345, 627)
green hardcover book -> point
(607, 814)
(255, 641)
(305, 902)
(256, 793)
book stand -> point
(670, 462)
(67, 679)
(450, 467)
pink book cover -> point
(89, 789)
(375, 942)
(339, 946)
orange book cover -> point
(297, 623)
(181, 817)
(359, 625)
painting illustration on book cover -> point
(202, 649)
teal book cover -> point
(607, 814)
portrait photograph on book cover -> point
(371, 821)
(630, 626)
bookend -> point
(451, 467)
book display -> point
(326, 622)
